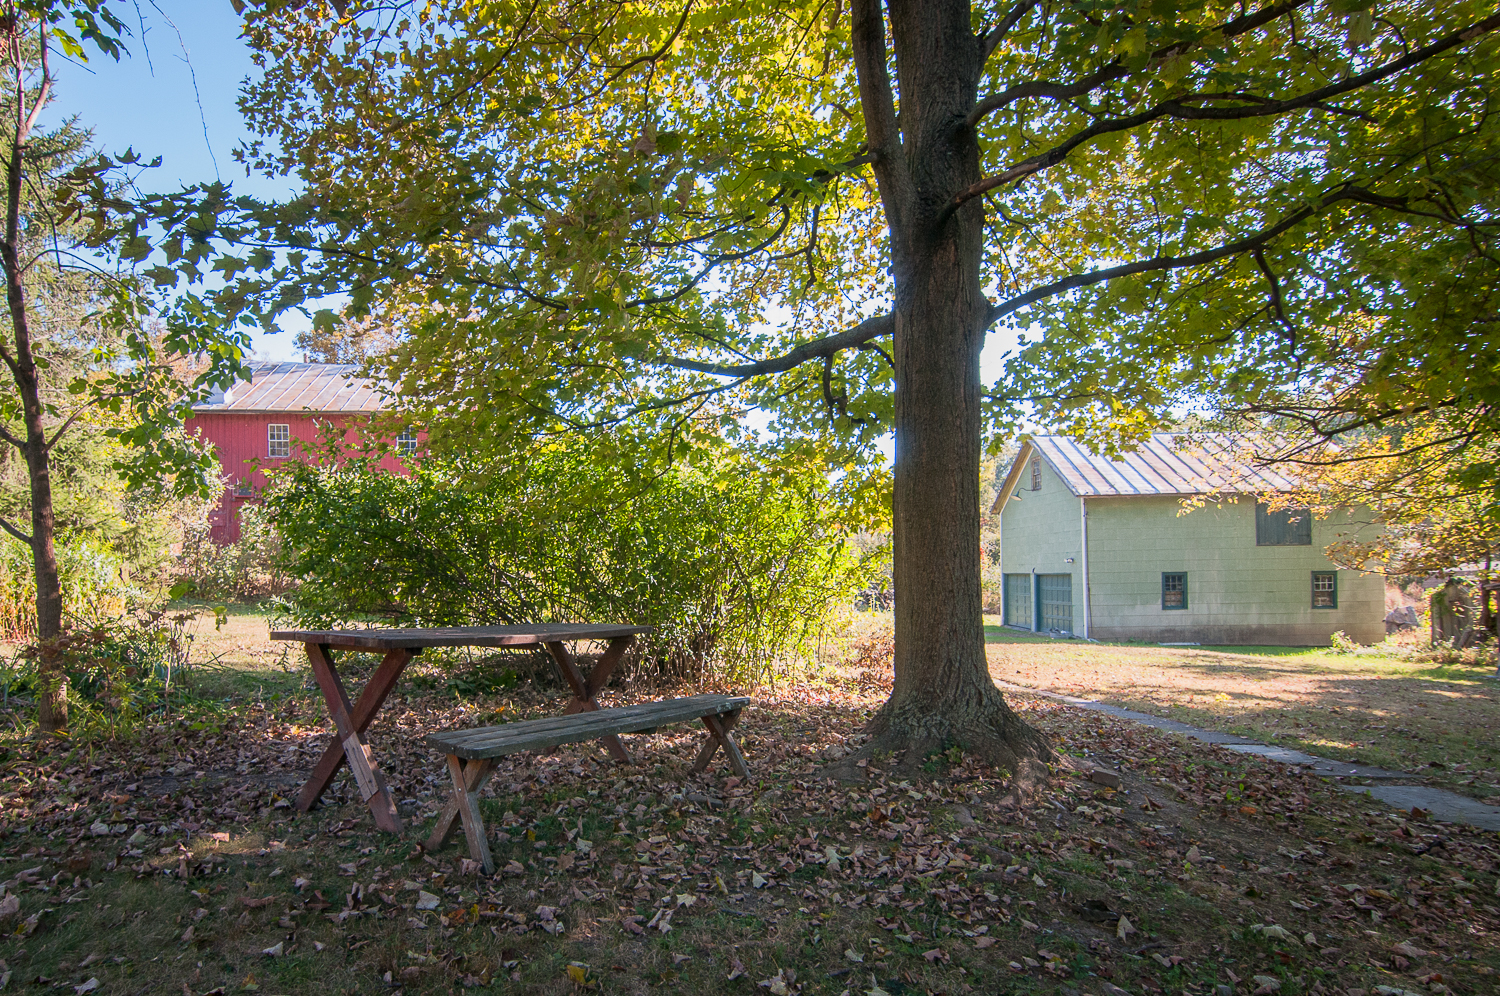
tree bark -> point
(943, 695)
(52, 697)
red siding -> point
(241, 442)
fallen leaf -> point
(276, 950)
(1124, 928)
(736, 968)
(427, 901)
(87, 987)
(853, 955)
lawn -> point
(1373, 707)
(170, 861)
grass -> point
(1379, 707)
(934, 885)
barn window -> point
(1325, 589)
(1036, 473)
(1174, 591)
(1282, 526)
(406, 441)
(278, 440)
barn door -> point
(1055, 595)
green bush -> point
(93, 585)
(735, 569)
(117, 670)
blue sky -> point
(148, 101)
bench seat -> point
(471, 753)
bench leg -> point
(476, 773)
(467, 781)
(719, 735)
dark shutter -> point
(1283, 527)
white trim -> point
(1083, 542)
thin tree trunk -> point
(53, 695)
(943, 695)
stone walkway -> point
(1444, 805)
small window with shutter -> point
(1036, 473)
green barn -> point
(1108, 549)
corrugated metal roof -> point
(296, 387)
(1166, 464)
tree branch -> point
(1177, 108)
(1045, 88)
(994, 37)
(1113, 70)
(4, 524)
(870, 328)
(878, 102)
(1247, 244)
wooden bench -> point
(472, 753)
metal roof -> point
(297, 387)
(1167, 463)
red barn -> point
(256, 424)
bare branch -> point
(1045, 88)
(42, 95)
(870, 328)
(1113, 70)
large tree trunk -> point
(943, 695)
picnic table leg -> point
(362, 764)
(467, 781)
(586, 689)
(476, 773)
(363, 713)
(719, 735)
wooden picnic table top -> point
(458, 636)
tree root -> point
(988, 730)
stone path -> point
(1442, 804)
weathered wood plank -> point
(666, 712)
(540, 734)
(459, 636)
(361, 762)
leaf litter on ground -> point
(1202, 868)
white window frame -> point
(278, 444)
(406, 441)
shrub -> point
(734, 569)
(248, 568)
(116, 670)
(93, 585)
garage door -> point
(1056, 594)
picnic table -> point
(399, 646)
